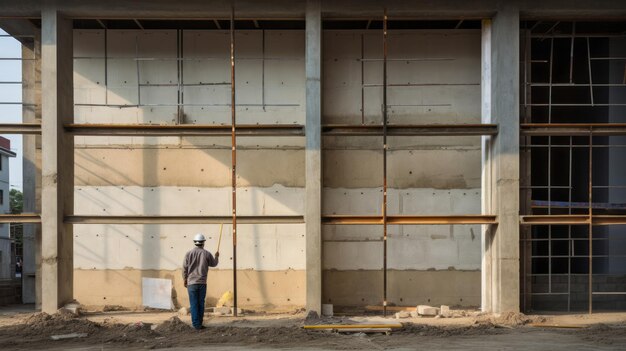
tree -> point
(16, 201)
(16, 205)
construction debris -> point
(402, 314)
(351, 326)
(224, 311)
(68, 336)
(425, 310)
(74, 308)
(221, 310)
(226, 299)
(445, 311)
(113, 308)
(183, 311)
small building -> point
(5, 240)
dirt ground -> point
(22, 328)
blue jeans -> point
(197, 294)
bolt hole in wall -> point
(433, 77)
(573, 72)
(177, 73)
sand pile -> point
(509, 319)
(172, 325)
(58, 323)
(444, 331)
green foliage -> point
(16, 201)
(16, 205)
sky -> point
(11, 71)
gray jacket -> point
(196, 265)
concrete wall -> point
(426, 175)
(191, 175)
(5, 243)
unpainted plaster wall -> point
(191, 176)
(425, 175)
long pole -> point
(219, 241)
(385, 163)
(234, 154)
(590, 222)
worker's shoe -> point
(200, 327)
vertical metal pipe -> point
(590, 77)
(550, 167)
(385, 163)
(362, 79)
(178, 72)
(263, 69)
(138, 75)
(182, 76)
(106, 67)
(590, 222)
(569, 230)
(526, 247)
(571, 54)
(526, 53)
(234, 154)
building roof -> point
(5, 147)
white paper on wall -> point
(157, 293)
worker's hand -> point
(217, 254)
(185, 283)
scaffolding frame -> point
(528, 130)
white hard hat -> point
(199, 237)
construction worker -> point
(195, 268)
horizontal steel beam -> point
(609, 219)
(182, 219)
(409, 220)
(411, 130)
(572, 220)
(20, 128)
(20, 218)
(184, 130)
(554, 219)
(574, 129)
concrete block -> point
(222, 310)
(414, 314)
(71, 308)
(402, 314)
(327, 310)
(425, 310)
(232, 311)
(445, 311)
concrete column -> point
(486, 174)
(503, 243)
(57, 160)
(313, 157)
(31, 95)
